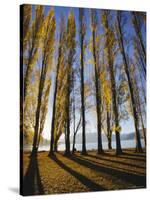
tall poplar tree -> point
(47, 59)
(95, 52)
(82, 33)
(70, 46)
(109, 50)
(32, 43)
(126, 68)
(61, 50)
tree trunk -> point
(74, 141)
(136, 123)
(143, 130)
(108, 131)
(74, 117)
(115, 109)
(54, 104)
(140, 112)
(98, 97)
(41, 86)
(110, 58)
(143, 86)
(109, 143)
(38, 142)
(55, 146)
(74, 136)
(71, 49)
(65, 132)
(82, 100)
(67, 152)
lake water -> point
(91, 146)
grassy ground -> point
(78, 173)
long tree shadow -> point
(141, 155)
(133, 157)
(109, 165)
(114, 161)
(32, 183)
(137, 180)
(128, 156)
(84, 180)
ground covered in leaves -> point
(78, 173)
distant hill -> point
(92, 137)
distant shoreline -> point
(126, 144)
(88, 151)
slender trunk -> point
(66, 135)
(54, 105)
(74, 141)
(82, 99)
(110, 57)
(55, 146)
(74, 118)
(68, 117)
(41, 86)
(136, 123)
(143, 129)
(74, 136)
(98, 97)
(21, 86)
(143, 65)
(37, 124)
(108, 131)
(143, 88)
(140, 113)
(115, 109)
(39, 135)
(71, 50)
(38, 142)
(109, 143)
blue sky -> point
(127, 126)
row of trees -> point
(63, 54)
